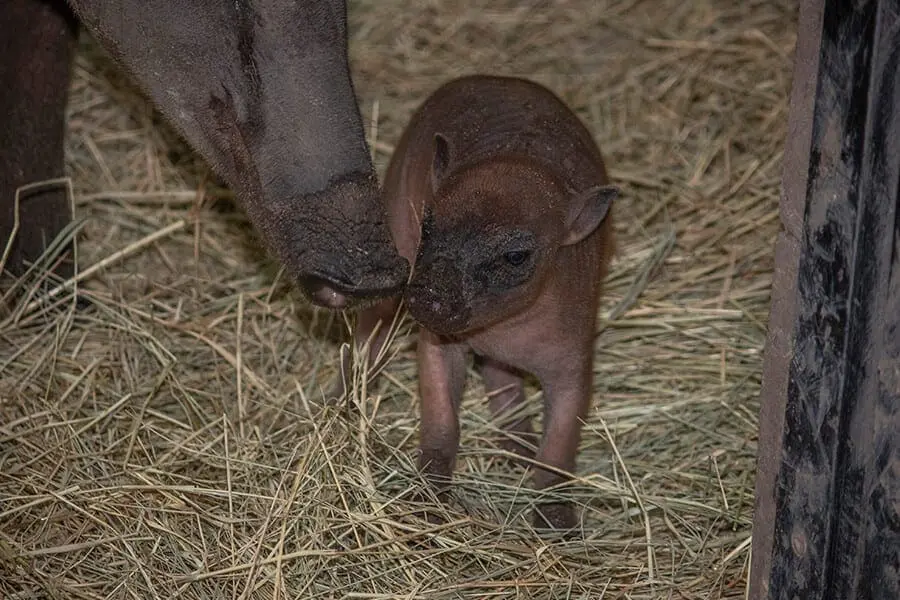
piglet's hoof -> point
(555, 517)
(337, 390)
(431, 515)
(437, 471)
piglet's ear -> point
(587, 210)
(440, 161)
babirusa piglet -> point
(498, 196)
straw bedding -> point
(170, 440)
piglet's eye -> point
(516, 257)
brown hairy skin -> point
(261, 89)
(488, 166)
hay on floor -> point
(169, 441)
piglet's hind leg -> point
(506, 395)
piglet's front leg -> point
(442, 377)
(567, 398)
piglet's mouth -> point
(439, 315)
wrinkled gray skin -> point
(262, 90)
(498, 195)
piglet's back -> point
(487, 116)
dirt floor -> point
(169, 441)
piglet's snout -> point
(437, 301)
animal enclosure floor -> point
(169, 441)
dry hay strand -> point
(170, 440)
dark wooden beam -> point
(827, 523)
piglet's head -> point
(491, 237)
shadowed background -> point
(169, 441)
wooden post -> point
(827, 522)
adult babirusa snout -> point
(360, 269)
(338, 286)
(348, 255)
